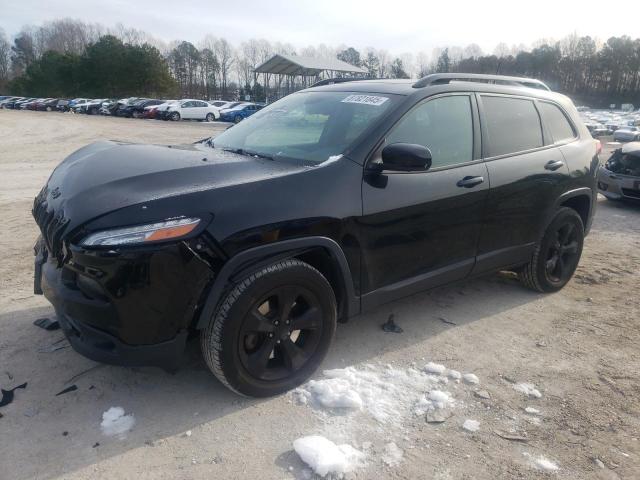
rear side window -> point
(444, 125)
(513, 125)
(556, 122)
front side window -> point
(513, 125)
(556, 122)
(444, 125)
(307, 126)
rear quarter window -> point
(513, 125)
(556, 122)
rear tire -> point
(210, 117)
(252, 344)
(237, 119)
(556, 256)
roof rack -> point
(442, 78)
(331, 81)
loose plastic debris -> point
(8, 395)
(72, 388)
(47, 324)
(390, 326)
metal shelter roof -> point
(309, 66)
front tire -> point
(237, 119)
(210, 117)
(175, 116)
(271, 330)
(556, 256)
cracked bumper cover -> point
(130, 308)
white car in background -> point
(192, 110)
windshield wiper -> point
(248, 153)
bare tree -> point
(224, 52)
(5, 58)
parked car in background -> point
(151, 111)
(90, 107)
(136, 109)
(14, 104)
(48, 105)
(71, 104)
(189, 109)
(31, 104)
(627, 134)
(619, 177)
(239, 112)
(9, 101)
(161, 110)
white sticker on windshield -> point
(366, 99)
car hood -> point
(107, 176)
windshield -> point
(309, 126)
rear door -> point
(420, 229)
(201, 109)
(187, 110)
(527, 173)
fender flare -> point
(578, 192)
(254, 258)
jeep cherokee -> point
(323, 205)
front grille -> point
(52, 224)
(628, 192)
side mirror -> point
(406, 157)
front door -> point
(421, 229)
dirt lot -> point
(579, 348)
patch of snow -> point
(325, 457)
(435, 368)
(471, 378)
(115, 422)
(392, 454)
(454, 375)
(532, 411)
(439, 398)
(528, 389)
(471, 425)
(386, 393)
(334, 393)
(542, 463)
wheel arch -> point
(322, 253)
(580, 200)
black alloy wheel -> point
(271, 330)
(556, 257)
(562, 254)
(280, 333)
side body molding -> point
(255, 258)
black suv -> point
(321, 206)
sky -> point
(396, 25)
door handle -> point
(469, 182)
(554, 165)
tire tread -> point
(211, 336)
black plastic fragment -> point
(47, 324)
(72, 388)
(7, 395)
(390, 326)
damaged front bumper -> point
(618, 187)
(130, 307)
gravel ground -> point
(579, 347)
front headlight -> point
(142, 234)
